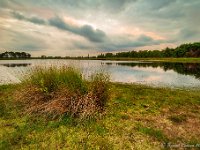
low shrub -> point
(56, 91)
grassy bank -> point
(181, 60)
(135, 117)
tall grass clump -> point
(57, 91)
(48, 79)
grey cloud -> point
(75, 7)
(105, 5)
(120, 44)
(18, 16)
(31, 47)
(85, 31)
(94, 35)
(42, 33)
(35, 20)
(7, 3)
(187, 34)
(167, 19)
(155, 10)
(3, 4)
(145, 38)
(82, 46)
(159, 4)
(116, 6)
(60, 24)
(15, 40)
(141, 41)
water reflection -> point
(16, 64)
(181, 68)
(151, 73)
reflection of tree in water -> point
(182, 68)
(16, 65)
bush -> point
(56, 91)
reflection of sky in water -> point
(126, 74)
(152, 76)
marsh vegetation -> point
(56, 91)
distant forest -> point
(184, 50)
(14, 55)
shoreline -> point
(178, 60)
(18, 82)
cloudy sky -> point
(79, 27)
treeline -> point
(14, 55)
(184, 50)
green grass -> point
(135, 117)
(154, 133)
(182, 60)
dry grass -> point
(54, 92)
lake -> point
(159, 74)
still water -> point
(158, 74)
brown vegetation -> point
(54, 98)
